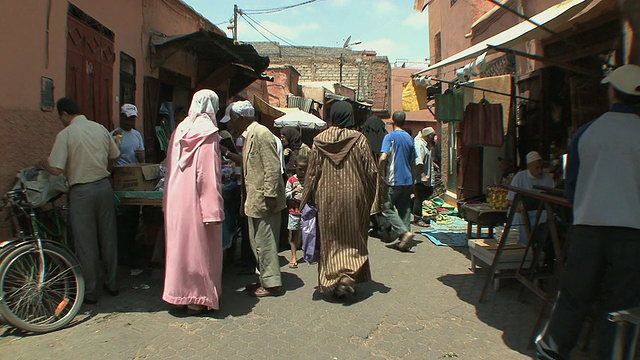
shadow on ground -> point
(141, 292)
(500, 310)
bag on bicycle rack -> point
(40, 186)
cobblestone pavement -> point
(422, 305)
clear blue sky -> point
(390, 27)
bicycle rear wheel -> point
(40, 306)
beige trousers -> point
(264, 234)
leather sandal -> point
(194, 310)
(264, 292)
(253, 286)
(405, 243)
(345, 291)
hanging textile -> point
(501, 84)
(482, 125)
(449, 107)
(414, 98)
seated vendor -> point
(526, 179)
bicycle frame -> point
(12, 198)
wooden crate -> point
(485, 250)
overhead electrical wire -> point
(281, 38)
(251, 21)
(259, 32)
(278, 9)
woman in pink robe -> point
(193, 210)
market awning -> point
(524, 31)
(268, 109)
(359, 104)
(214, 52)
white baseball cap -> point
(227, 114)
(626, 79)
(243, 108)
(129, 110)
(533, 156)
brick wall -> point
(373, 73)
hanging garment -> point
(414, 98)
(449, 107)
(482, 125)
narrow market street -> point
(421, 305)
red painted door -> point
(90, 58)
(469, 181)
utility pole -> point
(235, 23)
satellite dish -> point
(346, 43)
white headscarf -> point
(204, 102)
(197, 127)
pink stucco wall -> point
(28, 132)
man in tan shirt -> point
(265, 198)
(83, 151)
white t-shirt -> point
(424, 159)
(524, 180)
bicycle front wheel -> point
(40, 303)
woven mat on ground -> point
(450, 232)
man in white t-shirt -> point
(128, 138)
(423, 178)
(526, 179)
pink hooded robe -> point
(193, 208)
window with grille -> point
(127, 79)
(437, 45)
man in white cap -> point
(603, 173)
(247, 264)
(533, 175)
(423, 177)
(129, 139)
(265, 199)
(131, 145)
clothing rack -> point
(485, 90)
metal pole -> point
(340, 63)
(543, 59)
(235, 23)
(482, 89)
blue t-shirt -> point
(398, 145)
(131, 141)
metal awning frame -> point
(521, 32)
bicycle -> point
(41, 282)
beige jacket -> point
(262, 172)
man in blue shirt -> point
(128, 138)
(398, 156)
(603, 173)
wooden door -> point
(469, 180)
(90, 58)
(151, 100)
